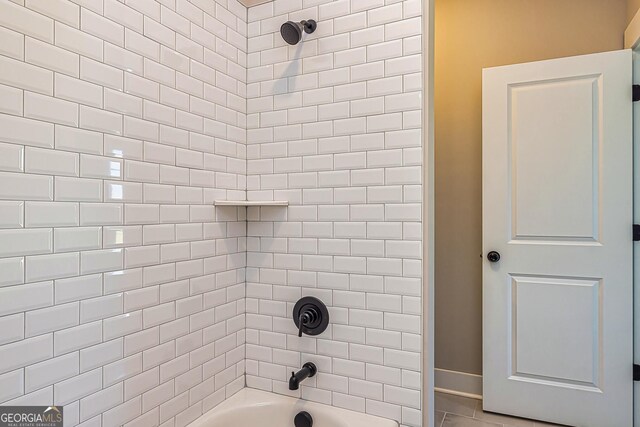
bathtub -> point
(252, 408)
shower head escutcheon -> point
(292, 31)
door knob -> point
(493, 256)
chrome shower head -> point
(292, 31)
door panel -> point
(540, 349)
(557, 206)
(568, 207)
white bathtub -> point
(253, 408)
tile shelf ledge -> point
(251, 203)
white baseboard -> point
(458, 383)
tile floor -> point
(457, 411)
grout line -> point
(442, 422)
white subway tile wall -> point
(122, 289)
(334, 127)
(125, 295)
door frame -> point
(428, 223)
(632, 41)
(632, 33)
(636, 220)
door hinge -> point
(636, 372)
(636, 232)
(636, 93)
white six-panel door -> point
(557, 207)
